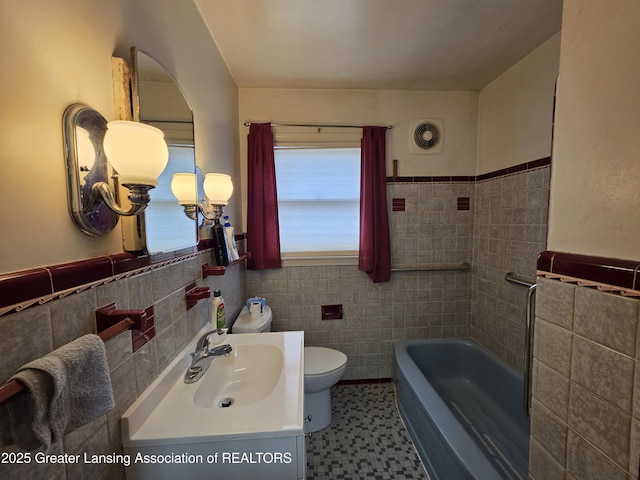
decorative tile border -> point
(26, 288)
(606, 274)
(21, 290)
(523, 167)
(434, 179)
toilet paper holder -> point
(331, 312)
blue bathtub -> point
(463, 408)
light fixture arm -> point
(101, 192)
(217, 212)
(192, 211)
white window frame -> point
(318, 140)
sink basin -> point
(246, 376)
(257, 390)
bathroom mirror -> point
(158, 100)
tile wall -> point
(585, 422)
(509, 230)
(36, 331)
(497, 223)
(430, 231)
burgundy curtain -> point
(263, 235)
(375, 246)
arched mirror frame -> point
(162, 227)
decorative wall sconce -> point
(218, 188)
(93, 150)
(139, 154)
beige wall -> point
(457, 109)
(594, 184)
(515, 112)
(50, 64)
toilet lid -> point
(319, 360)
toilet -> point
(323, 368)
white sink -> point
(264, 376)
(248, 375)
(242, 419)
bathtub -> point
(462, 406)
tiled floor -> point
(366, 439)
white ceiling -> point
(376, 44)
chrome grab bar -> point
(530, 324)
(530, 320)
(513, 278)
(463, 267)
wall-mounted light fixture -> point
(93, 150)
(218, 188)
(139, 154)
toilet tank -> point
(245, 324)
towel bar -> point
(14, 387)
(513, 277)
(464, 266)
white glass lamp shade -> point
(185, 188)
(218, 188)
(137, 151)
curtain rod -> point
(314, 125)
(152, 120)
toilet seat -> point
(321, 360)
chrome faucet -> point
(195, 371)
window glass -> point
(318, 199)
(166, 225)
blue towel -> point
(66, 389)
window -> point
(318, 200)
(166, 225)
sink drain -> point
(225, 402)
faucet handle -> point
(193, 373)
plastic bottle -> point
(218, 320)
(231, 241)
(220, 254)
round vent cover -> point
(426, 136)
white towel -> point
(66, 389)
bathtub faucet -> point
(195, 371)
